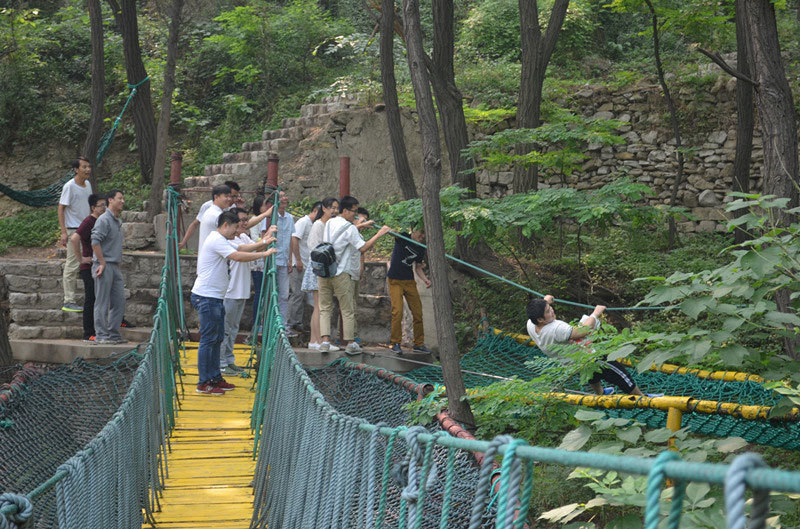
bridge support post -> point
(272, 170)
(344, 176)
(674, 417)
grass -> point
(32, 228)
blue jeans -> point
(212, 331)
(257, 278)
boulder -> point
(708, 198)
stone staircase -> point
(248, 167)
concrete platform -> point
(374, 356)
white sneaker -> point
(333, 348)
(324, 347)
(352, 348)
(313, 345)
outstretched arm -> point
(588, 325)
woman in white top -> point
(330, 207)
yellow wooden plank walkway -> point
(211, 463)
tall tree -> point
(162, 135)
(432, 215)
(6, 357)
(405, 177)
(776, 113)
(673, 119)
(449, 100)
(744, 110)
(777, 119)
(98, 89)
(141, 106)
(536, 52)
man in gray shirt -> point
(109, 287)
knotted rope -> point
(24, 510)
(484, 480)
(735, 486)
(654, 482)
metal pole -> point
(344, 176)
(272, 170)
(175, 166)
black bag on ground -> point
(323, 258)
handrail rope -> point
(514, 283)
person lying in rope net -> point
(545, 330)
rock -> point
(603, 115)
(606, 107)
(631, 137)
(625, 156)
(650, 137)
(505, 178)
(718, 137)
(706, 226)
(708, 199)
(586, 92)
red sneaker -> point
(210, 389)
(224, 386)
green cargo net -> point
(49, 195)
(496, 354)
(50, 416)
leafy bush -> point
(32, 228)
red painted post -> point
(272, 170)
(344, 176)
(175, 166)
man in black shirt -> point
(406, 260)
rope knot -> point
(735, 486)
(24, 510)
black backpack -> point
(323, 258)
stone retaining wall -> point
(35, 296)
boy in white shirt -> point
(301, 254)
(238, 290)
(347, 245)
(207, 297)
(220, 201)
(545, 330)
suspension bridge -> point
(123, 444)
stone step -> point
(52, 317)
(316, 120)
(372, 355)
(246, 156)
(138, 235)
(256, 146)
(46, 283)
(34, 332)
(289, 133)
(196, 181)
(36, 300)
(133, 216)
(26, 267)
(63, 351)
(233, 169)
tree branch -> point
(557, 15)
(719, 61)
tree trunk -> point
(162, 136)
(6, 357)
(536, 52)
(777, 118)
(448, 97)
(432, 214)
(673, 118)
(98, 90)
(744, 116)
(141, 105)
(776, 113)
(405, 177)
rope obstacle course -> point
(331, 446)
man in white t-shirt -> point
(207, 297)
(73, 207)
(220, 201)
(238, 290)
(348, 245)
(301, 255)
(236, 202)
(545, 330)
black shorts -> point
(614, 373)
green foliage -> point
(493, 83)
(616, 493)
(32, 228)
(735, 300)
(127, 180)
(560, 143)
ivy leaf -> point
(629, 521)
(557, 514)
(662, 435)
(575, 439)
(733, 354)
(697, 491)
(622, 352)
(657, 358)
(779, 318)
(731, 324)
(692, 307)
(731, 444)
(589, 415)
(630, 435)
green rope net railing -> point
(49, 195)
(85, 445)
(333, 450)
